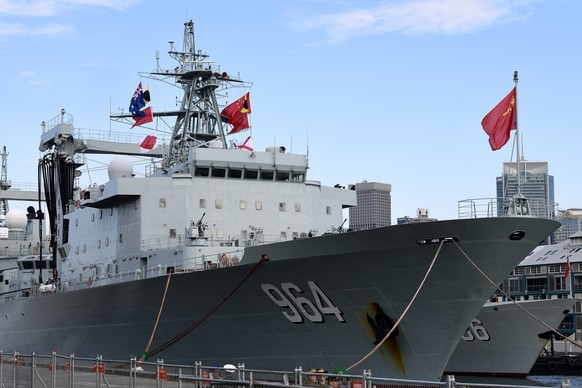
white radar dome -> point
(16, 219)
(120, 168)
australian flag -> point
(137, 104)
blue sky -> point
(383, 90)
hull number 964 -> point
(296, 306)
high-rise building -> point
(374, 206)
(537, 185)
(421, 216)
(571, 220)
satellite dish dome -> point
(229, 368)
(120, 168)
(16, 219)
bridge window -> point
(267, 175)
(202, 171)
(219, 172)
(235, 173)
(251, 174)
(297, 176)
(282, 176)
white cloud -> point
(19, 29)
(26, 74)
(16, 15)
(46, 8)
(415, 17)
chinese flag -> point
(500, 121)
(237, 113)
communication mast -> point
(4, 183)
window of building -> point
(561, 283)
(162, 202)
(328, 210)
(554, 268)
(243, 204)
(203, 203)
(282, 207)
(259, 205)
(218, 203)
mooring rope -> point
(147, 349)
(514, 301)
(405, 310)
(189, 329)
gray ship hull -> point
(308, 306)
(504, 340)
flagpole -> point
(517, 142)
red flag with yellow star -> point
(501, 120)
(237, 113)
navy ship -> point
(506, 338)
(224, 254)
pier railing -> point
(21, 370)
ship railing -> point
(227, 258)
(24, 186)
(22, 249)
(209, 238)
(55, 370)
(114, 137)
(502, 207)
(62, 118)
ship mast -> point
(517, 137)
(520, 204)
(198, 120)
(4, 183)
